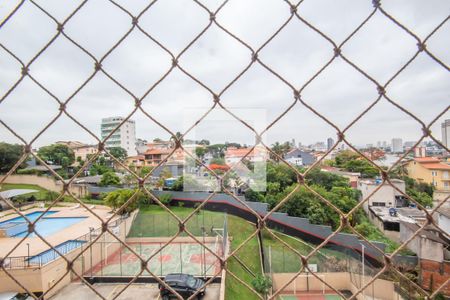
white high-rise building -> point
(124, 137)
(445, 127)
(397, 145)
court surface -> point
(190, 258)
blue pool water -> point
(46, 226)
(50, 255)
(31, 217)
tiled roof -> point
(436, 166)
(426, 159)
(157, 151)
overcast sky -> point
(340, 93)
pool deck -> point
(68, 233)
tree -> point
(262, 284)
(251, 195)
(345, 156)
(217, 150)
(118, 152)
(9, 155)
(362, 166)
(57, 154)
(326, 179)
(109, 178)
(200, 152)
(118, 198)
(280, 150)
(177, 137)
(145, 170)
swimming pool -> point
(50, 255)
(18, 227)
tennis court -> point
(190, 258)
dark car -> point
(184, 284)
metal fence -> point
(295, 13)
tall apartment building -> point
(330, 143)
(124, 137)
(397, 145)
(445, 128)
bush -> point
(165, 199)
(262, 284)
(109, 178)
(118, 198)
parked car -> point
(184, 284)
(14, 296)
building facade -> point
(445, 128)
(124, 137)
(430, 170)
(397, 145)
(385, 196)
(298, 157)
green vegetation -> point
(420, 191)
(118, 198)
(40, 195)
(262, 284)
(57, 154)
(352, 162)
(9, 155)
(284, 260)
(109, 178)
(154, 221)
(118, 152)
(282, 180)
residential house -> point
(154, 156)
(432, 249)
(80, 150)
(385, 196)
(235, 155)
(432, 171)
(135, 162)
(299, 157)
(388, 219)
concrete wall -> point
(423, 247)
(30, 278)
(45, 182)
(380, 289)
(444, 222)
(393, 235)
(339, 280)
(386, 194)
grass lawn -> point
(42, 193)
(154, 221)
(284, 260)
(149, 217)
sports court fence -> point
(24, 69)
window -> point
(433, 173)
(378, 204)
